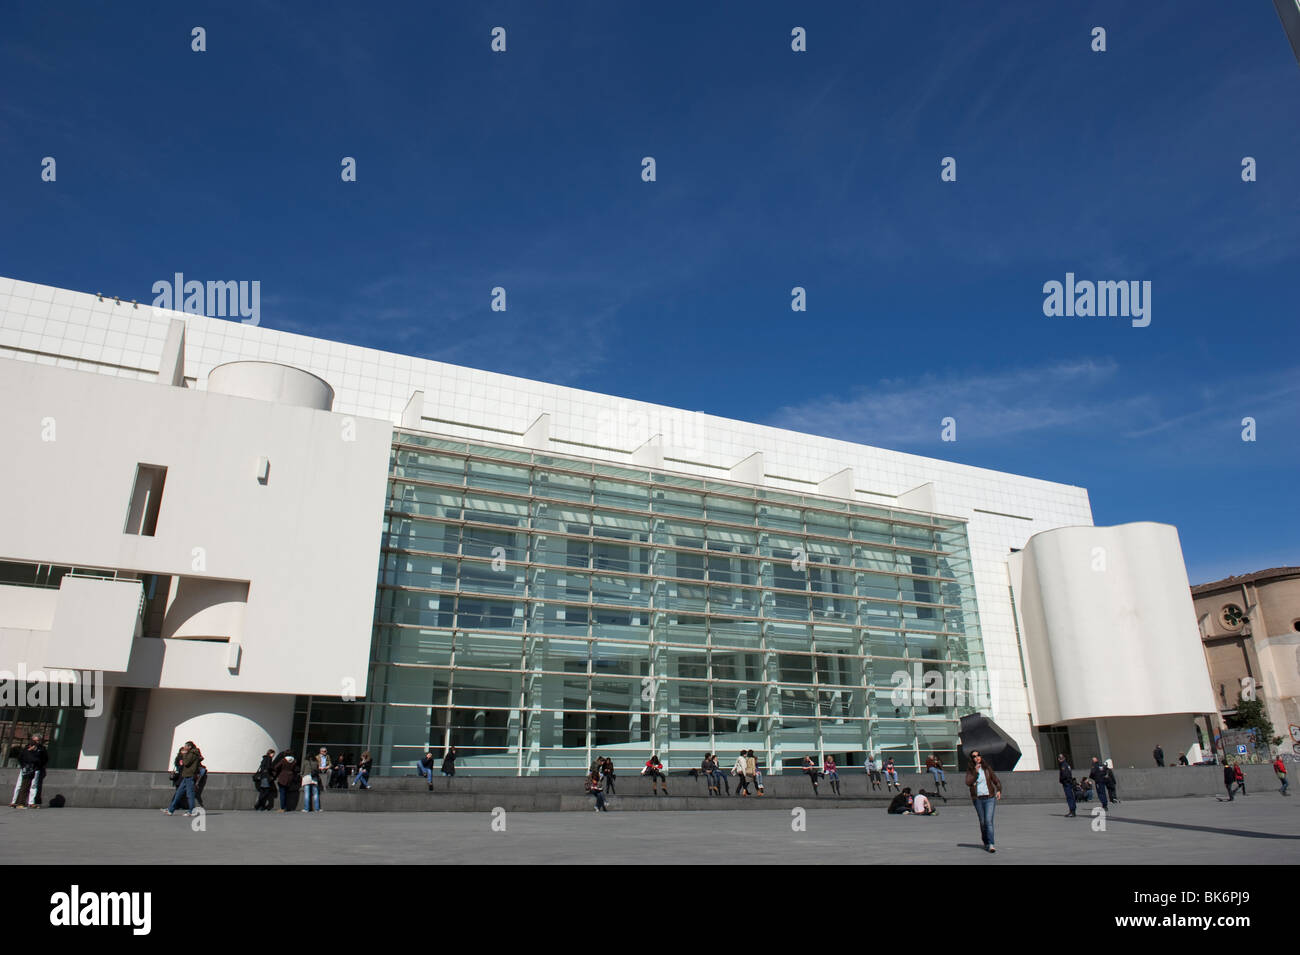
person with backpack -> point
(1229, 779)
(1279, 769)
(32, 760)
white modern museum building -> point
(256, 539)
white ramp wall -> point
(1108, 624)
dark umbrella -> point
(978, 732)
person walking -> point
(1239, 775)
(1110, 784)
(810, 769)
(1065, 775)
(739, 770)
(362, 780)
(425, 766)
(1229, 779)
(755, 773)
(449, 761)
(189, 772)
(1098, 776)
(285, 770)
(832, 773)
(265, 783)
(985, 791)
(311, 783)
(201, 775)
(1279, 769)
(1159, 755)
(655, 770)
(32, 760)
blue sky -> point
(774, 169)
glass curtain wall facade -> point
(536, 610)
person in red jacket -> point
(1279, 767)
(655, 770)
(1239, 775)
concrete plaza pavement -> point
(1263, 828)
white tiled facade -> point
(77, 330)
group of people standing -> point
(1100, 779)
(281, 772)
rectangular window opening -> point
(146, 499)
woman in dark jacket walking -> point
(985, 791)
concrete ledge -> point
(234, 791)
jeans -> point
(186, 789)
(937, 773)
(600, 799)
(284, 797)
(363, 779)
(1283, 780)
(310, 795)
(1069, 795)
(33, 781)
(984, 806)
(426, 772)
(891, 776)
(265, 797)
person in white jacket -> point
(742, 764)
